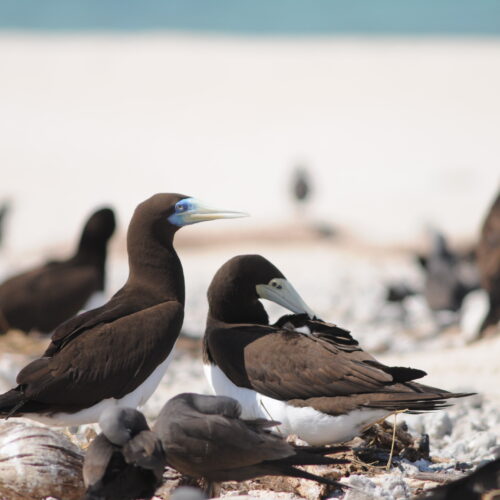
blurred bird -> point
(124, 462)
(449, 277)
(301, 185)
(204, 436)
(48, 295)
(308, 374)
(118, 353)
(488, 257)
(483, 483)
(4, 209)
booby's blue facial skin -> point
(190, 211)
(182, 208)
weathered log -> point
(37, 462)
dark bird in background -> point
(118, 353)
(124, 462)
(476, 486)
(308, 374)
(4, 209)
(488, 258)
(44, 297)
(204, 437)
(398, 292)
(449, 276)
(301, 185)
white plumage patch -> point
(313, 426)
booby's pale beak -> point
(190, 211)
(282, 292)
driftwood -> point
(37, 462)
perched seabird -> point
(124, 462)
(46, 296)
(483, 483)
(116, 354)
(204, 436)
(309, 375)
(488, 257)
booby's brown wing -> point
(107, 360)
(286, 365)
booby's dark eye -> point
(181, 206)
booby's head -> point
(119, 425)
(190, 211)
(236, 288)
(99, 228)
(161, 215)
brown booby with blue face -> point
(116, 354)
(204, 436)
(307, 374)
(124, 462)
(44, 297)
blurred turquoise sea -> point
(258, 17)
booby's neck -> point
(92, 252)
(153, 263)
(232, 308)
(223, 312)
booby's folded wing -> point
(109, 361)
(285, 364)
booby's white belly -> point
(136, 398)
(311, 425)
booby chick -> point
(204, 436)
(118, 353)
(44, 297)
(124, 462)
(307, 374)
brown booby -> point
(116, 354)
(488, 258)
(124, 462)
(204, 436)
(46, 296)
(309, 375)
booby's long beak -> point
(282, 292)
(190, 211)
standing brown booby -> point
(488, 259)
(124, 462)
(46, 296)
(307, 374)
(116, 354)
(204, 436)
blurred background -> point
(347, 129)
